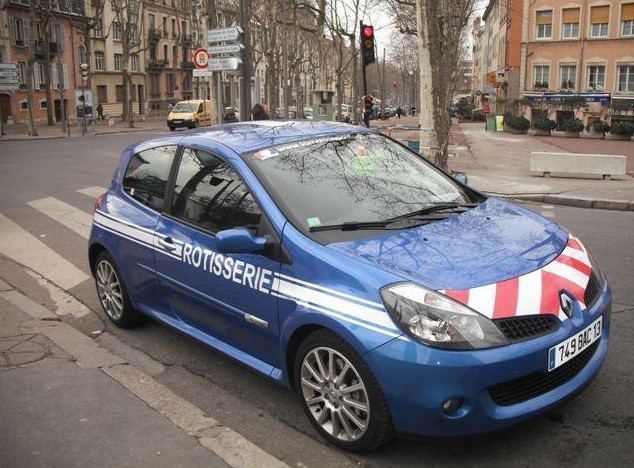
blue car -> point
(391, 297)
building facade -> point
(579, 48)
(50, 38)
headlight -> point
(436, 320)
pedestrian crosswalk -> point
(25, 248)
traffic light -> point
(367, 44)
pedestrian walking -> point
(399, 112)
(170, 106)
(100, 112)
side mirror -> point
(461, 177)
(240, 241)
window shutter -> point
(571, 15)
(37, 74)
(545, 17)
(627, 14)
(600, 14)
(26, 31)
(12, 30)
(64, 83)
(55, 75)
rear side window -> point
(146, 176)
(208, 193)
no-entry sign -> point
(201, 58)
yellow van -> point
(190, 114)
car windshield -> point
(185, 107)
(351, 178)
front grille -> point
(527, 327)
(538, 383)
(593, 290)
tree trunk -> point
(427, 116)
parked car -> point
(390, 296)
(190, 114)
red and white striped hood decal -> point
(536, 292)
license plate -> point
(568, 349)
(178, 121)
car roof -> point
(242, 137)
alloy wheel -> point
(109, 289)
(335, 394)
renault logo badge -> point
(566, 303)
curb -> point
(578, 202)
(224, 442)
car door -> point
(131, 215)
(225, 296)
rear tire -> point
(113, 294)
(171, 128)
(326, 369)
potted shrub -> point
(517, 124)
(622, 130)
(573, 128)
(544, 126)
(598, 128)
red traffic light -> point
(368, 31)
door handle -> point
(167, 243)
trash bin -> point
(491, 124)
(414, 145)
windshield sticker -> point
(313, 222)
(314, 141)
(363, 165)
(266, 154)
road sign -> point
(224, 34)
(9, 87)
(201, 58)
(10, 66)
(219, 64)
(225, 49)
(201, 72)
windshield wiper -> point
(351, 226)
(433, 209)
(419, 215)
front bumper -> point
(417, 379)
(180, 122)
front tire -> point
(340, 395)
(113, 294)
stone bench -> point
(566, 164)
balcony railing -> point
(153, 63)
(154, 35)
(39, 48)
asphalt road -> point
(595, 428)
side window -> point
(146, 176)
(209, 193)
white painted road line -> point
(71, 217)
(92, 192)
(17, 244)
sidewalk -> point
(20, 131)
(66, 401)
(498, 163)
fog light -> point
(452, 405)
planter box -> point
(572, 134)
(596, 135)
(515, 131)
(614, 136)
(539, 132)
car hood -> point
(493, 242)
